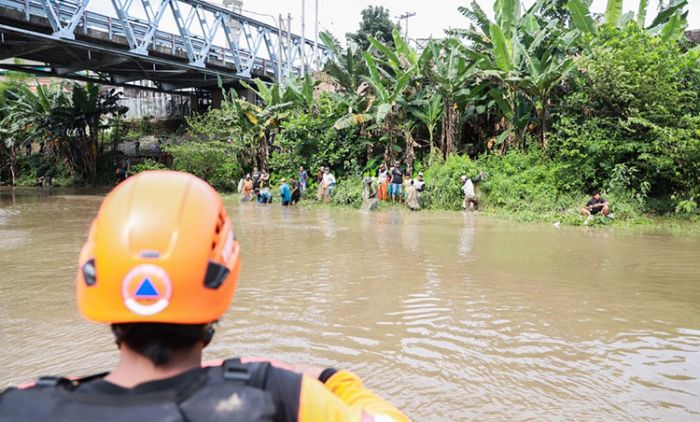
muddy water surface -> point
(450, 316)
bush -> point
(146, 165)
(443, 189)
(39, 165)
(348, 192)
(212, 161)
(309, 139)
(634, 107)
(525, 185)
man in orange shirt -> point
(160, 266)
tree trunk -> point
(409, 153)
(13, 165)
(432, 145)
(370, 146)
(450, 129)
(264, 154)
(86, 154)
(443, 132)
(543, 124)
(388, 158)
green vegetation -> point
(66, 123)
(549, 102)
(375, 23)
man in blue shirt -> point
(285, 192)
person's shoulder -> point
(31, 401)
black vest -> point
(230, 392)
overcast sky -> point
(432, 16)
(342, 16)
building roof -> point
(693, 35)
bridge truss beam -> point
(177, 44)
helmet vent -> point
(217, 229)
(89, 273)
(215, 276)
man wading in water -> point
(160, 265)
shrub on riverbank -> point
(527, 186)
(348, 191)
(212, 161)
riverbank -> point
(571, 218)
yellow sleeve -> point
(344, 398)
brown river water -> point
(449, 316)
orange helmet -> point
(161, 249)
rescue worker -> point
(160, 265)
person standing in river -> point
(296, 193)
(383, 182)
(285, 192)
(256, 177)
(328, 182)
(303, 179)
(160, 266)
(247, 188)
(264, 194)
(396, 182)
(319, 184)
(470, 198)
(469, 194)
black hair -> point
(159, 342)
(595, 192)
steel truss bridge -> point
(179, 45)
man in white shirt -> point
(328, 182)
(469, 193)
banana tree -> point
(301, 92)
(428, 110)
(23, 114)
(79, 123)
(347, 69)
(262, 123)
(387, 82)
(669, 23)
(454, 76)
(382, 109)
(525, 57)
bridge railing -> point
(262, 51)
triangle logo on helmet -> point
(146, 289)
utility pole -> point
(290, 61)
(405, 17)
(303, 37)
(279, 49)
(316, 61)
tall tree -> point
(375, 23)
(79, 124)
